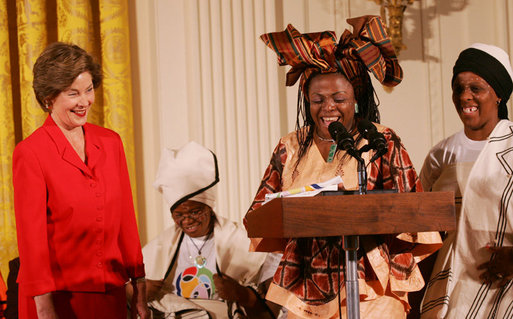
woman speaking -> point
(335, 86)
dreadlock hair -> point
(365, 96)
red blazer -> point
(75, 222)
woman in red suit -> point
(77, 233)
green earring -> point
(356, 108)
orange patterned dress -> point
(306, 281)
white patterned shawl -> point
(455, 290)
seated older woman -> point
(202, 263)
(335, 86)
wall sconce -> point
(394, 21)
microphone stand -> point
(345, 141)
(351, 245)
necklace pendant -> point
(200, 261)
(333, 150)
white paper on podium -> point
(307, 191)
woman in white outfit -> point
(472, 276)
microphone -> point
(342, 138)
(376, 139)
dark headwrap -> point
(367, 48)
(492, 64)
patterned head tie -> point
(367, 48)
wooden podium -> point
(351, 216)
(369, 214)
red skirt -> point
(111, 304)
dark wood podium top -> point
(322, 216)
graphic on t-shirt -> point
(195, 282)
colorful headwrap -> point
(367, 48)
